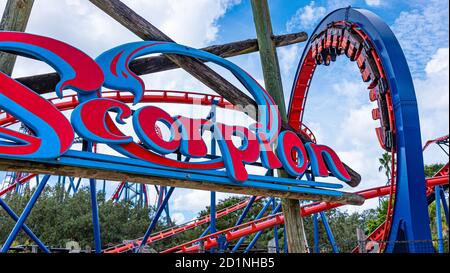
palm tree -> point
(385, 163)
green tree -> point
(432, 169)
(385, 164)
(378, 217)
(56, 221)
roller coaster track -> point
(267, 222)
(439, 140)
(175, 230)
(363, 38)
(117, 191)
(69, 102)
(345, 38)
(379, 233)
(20, 181)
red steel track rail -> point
(18, 182)
(175, 230)
(251, 227)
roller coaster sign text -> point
(51, 134)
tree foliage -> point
(385, 164)
(58, 218)
(432, 169)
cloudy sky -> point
(338, 109)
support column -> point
(273, 85)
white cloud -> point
(351, 91)
(373, 3)
(86, 27)
(433, 101)
(358, 129)
(306, 17)
(178, 218)
(193, 200)
(421, 32)
(288, 57)
(192, 22)
(439, 63)
(337, 4)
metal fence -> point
(432, 246)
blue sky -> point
(338, 109)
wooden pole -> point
(15, 18)
(272, 79)
(146, 31)
(361, 237)
(45, 83)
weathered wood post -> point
(361, 237)
(272, 79)
(15, 18)
(146, 31)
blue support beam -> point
(316, 233)
(221, 241)
(329, 233)
(444, 204)
(155, 219)
(260, 214)
(275, 233)
(87, 146)
(166, 210)
(255, 239)
(95, 218)
(212, 217)
(71, 184)
(440, 241)
(206, 231)
(25, 227)
(243, 215)
(104, 188)
(26, 212)
(64, 183)
(78, 185)
(275, 236)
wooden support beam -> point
(54, 169)
(15, 18)
(45, 83)
(146, 31)
(272, 79)
(161, 63)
